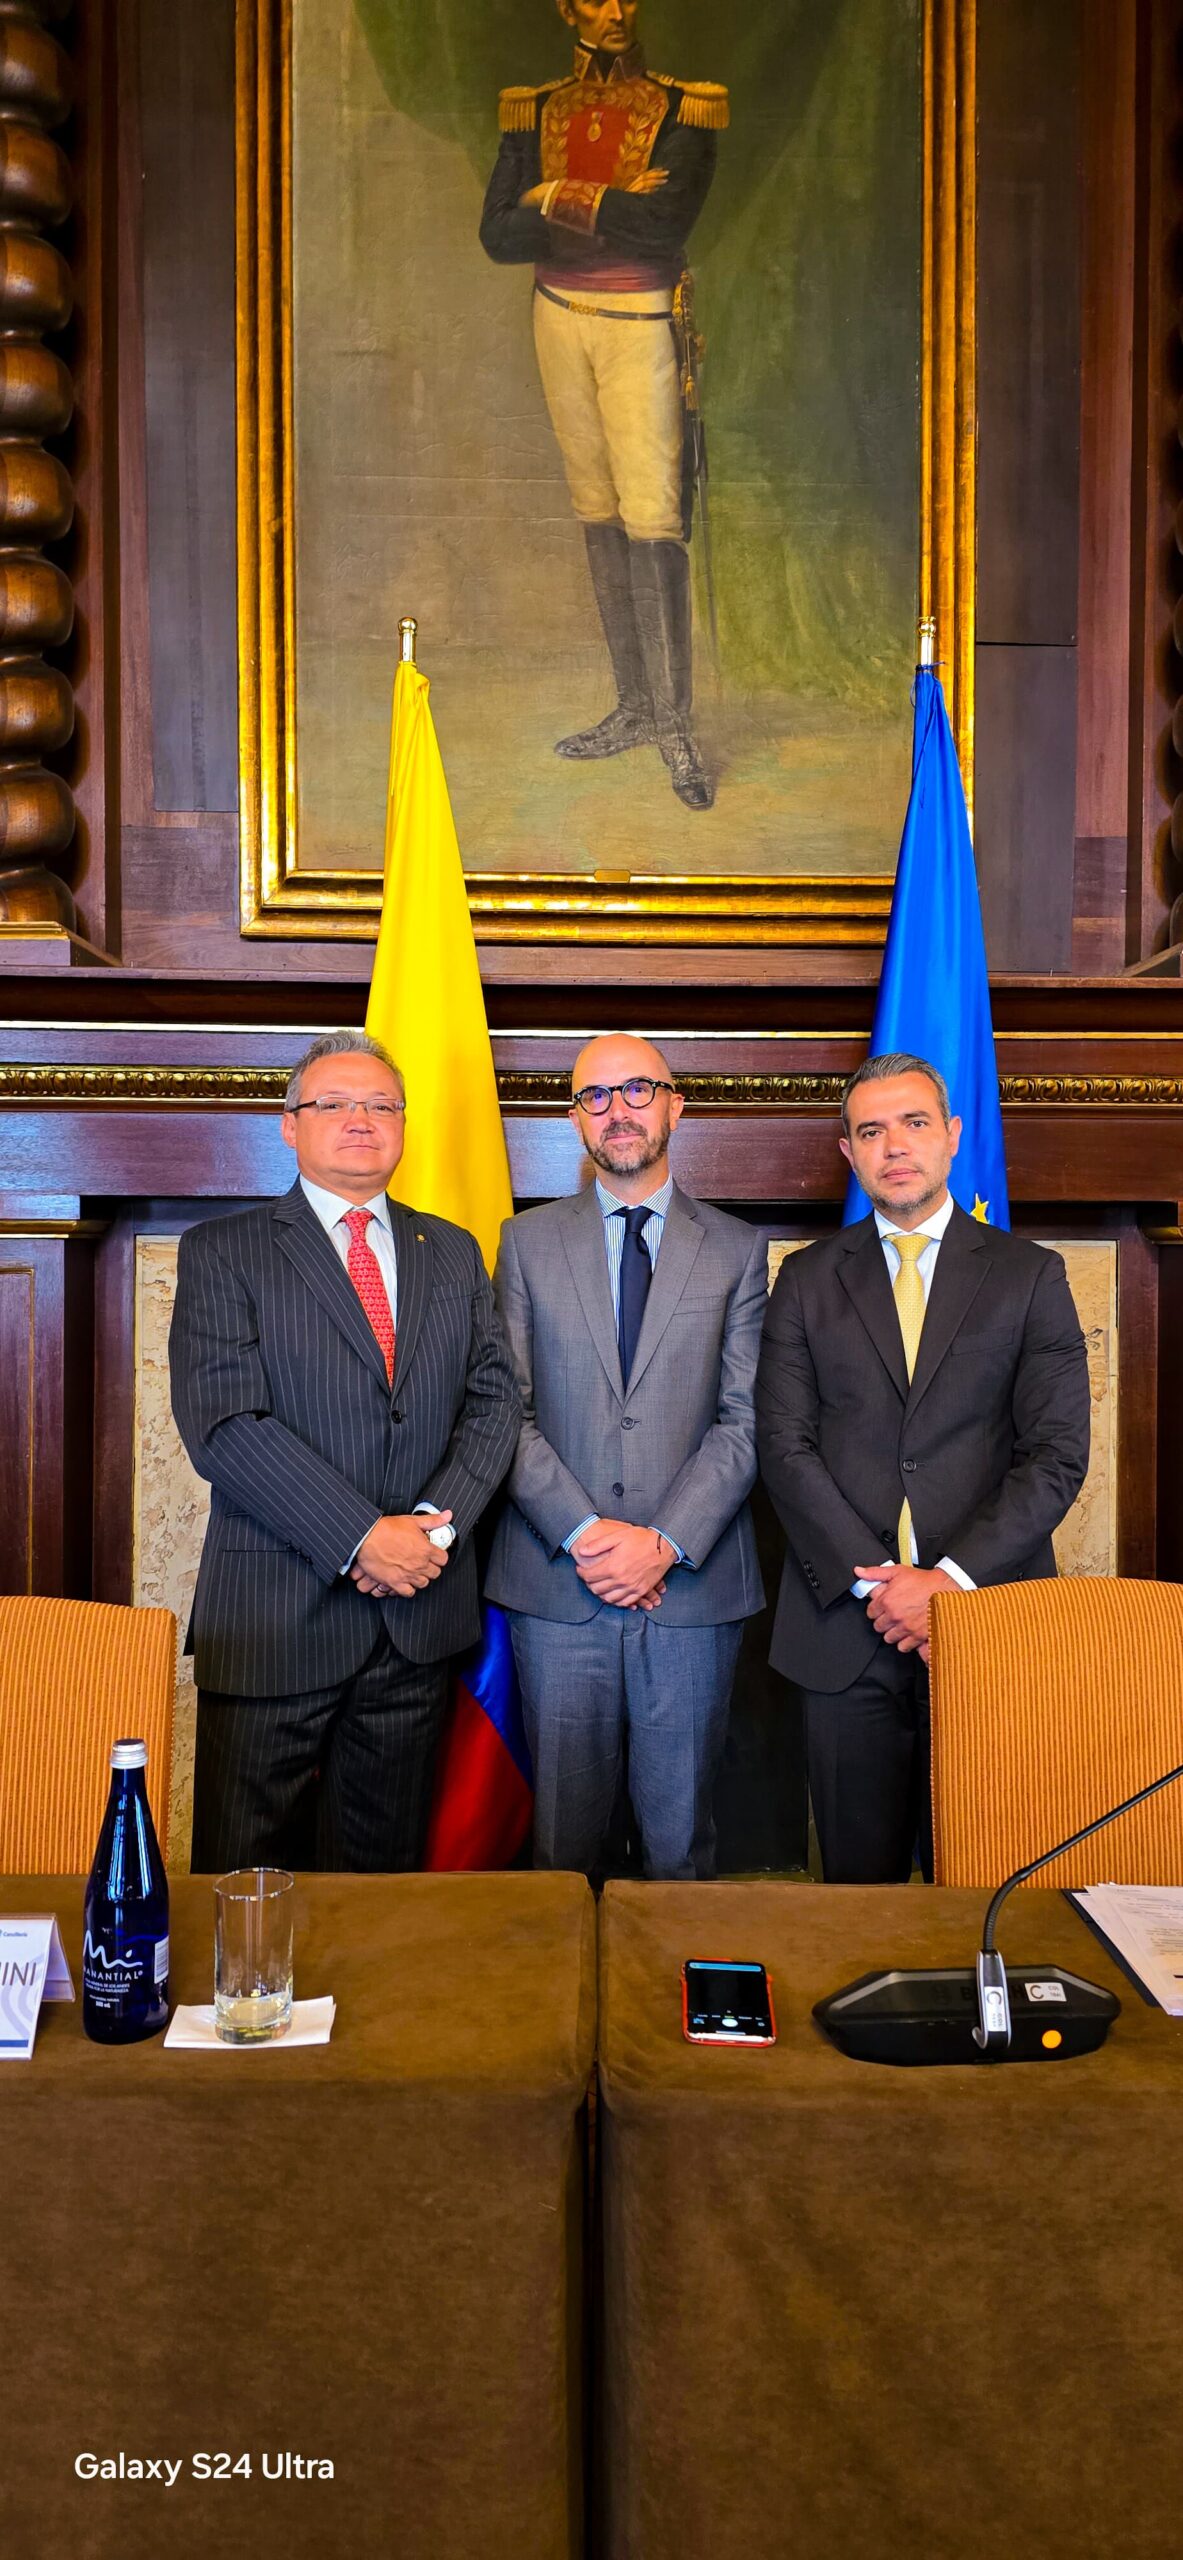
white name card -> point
(33, 1968)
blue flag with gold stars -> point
(934, 995)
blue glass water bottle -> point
(125, 1947)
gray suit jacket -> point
(989, 1442)
(677, 1452)
(281, 1398)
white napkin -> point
(312, 2023)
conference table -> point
(367, 2253)
(851, 2309)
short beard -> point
(897, 1209)
(644, 1152)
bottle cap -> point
(129, 1755)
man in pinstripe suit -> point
(626, 1553)
(339, 1375)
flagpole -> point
(407, 633)
(927, 641)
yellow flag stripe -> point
(426, 1001)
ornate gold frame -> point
(276, 897)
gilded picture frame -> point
(279, 897)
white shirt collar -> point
(933, 1227)
(658, 1200)
(330, 1208)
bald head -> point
(628, 1139)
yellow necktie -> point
(908, 1292)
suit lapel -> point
(583, 1240)
(412, 1245)
(863, 1273)
(961, 1267)
(301, 1237)
(680, 1244)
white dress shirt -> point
(926, 1263)
(332, 1212)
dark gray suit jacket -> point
(281, 1398)
(989, 1443)
(676, 1452)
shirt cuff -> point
(576, 1534)
(680, 1552)
(862, 1590)
(962, 1580)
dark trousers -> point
(867, 1749)
(337, 1777)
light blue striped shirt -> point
(611, 1210)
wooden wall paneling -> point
(1026, 803)
(1170, 1389)
(1137, 1399)
(1108, 96)
(187, 135)
(46, 1412)
(135, 683)
(1155, 875)
(1029, 81)
(114, 1410)
(91, 555)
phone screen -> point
(726, 2003)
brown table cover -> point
(853, 2309)
(368, 2252)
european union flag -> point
(934, 995)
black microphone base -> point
(916, 2018)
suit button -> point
(628, 1422)
(618, 1489)
(908, 1466)
(396, 1415)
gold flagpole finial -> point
(407, 629)
(927, 641)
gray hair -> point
(340, 1044)
(895, 1062)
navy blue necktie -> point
(636, 1272)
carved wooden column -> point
(36, 495)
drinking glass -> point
(253, 1954)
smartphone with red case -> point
(726, 2003)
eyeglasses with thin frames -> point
(332, 1107)
(637, 1091)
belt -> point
(596, 310)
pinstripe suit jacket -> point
(675, 1450)
(280, 1396)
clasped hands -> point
(646, 185)
(898, 1606)
(398, 1557)
(622, 1564)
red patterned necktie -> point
(365, 1272)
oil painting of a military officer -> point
(599, 181)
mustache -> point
(624, 1129)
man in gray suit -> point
(923, 1403)
(625, 1553)
(339, 1376)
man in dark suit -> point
(339, 1376)
(625, 1553)
(923, 1414)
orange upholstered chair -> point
(1051, 1701)
(74, 1675)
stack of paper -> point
(1144, 1924)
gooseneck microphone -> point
(993, 2030)
(914, 2016)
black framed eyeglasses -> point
(331, 1108)
(637, 1091)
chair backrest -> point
(1050, 1702)
(74, 1675)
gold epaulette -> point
(517, 109)
(703, 102)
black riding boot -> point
(661, 601)
(631, 723)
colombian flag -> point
(427, 1006)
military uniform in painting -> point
(618, 161)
